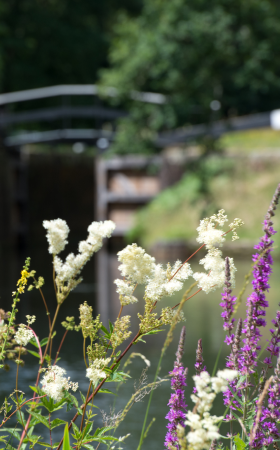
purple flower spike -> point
(177, 414)
(228, 303)
(256, 301)
(199, 358)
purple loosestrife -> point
(267, 431)
(177, 414)
(228, 302)
(199, 358)
(256, 301)
(273, 347)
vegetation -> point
(248, 170)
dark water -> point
(203, 321)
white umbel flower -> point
(220, 382)
(125, 291)
(136, 265)
(203, 426)
(57, 233)
(23, 335)
(54, 383)
(164, 282)
(66, 272)
(214, 264)
(96, 370)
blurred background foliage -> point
(193, 52)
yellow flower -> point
(21, 289)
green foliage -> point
(193, 52)
(68, 39)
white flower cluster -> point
(73, 264)
(203, 426)
(125, 290)
(136, 265)
(66, 272)
(57, 233)
(164, 282)
(23, 335)
(54, 383)
(95, 370)
(213, 262)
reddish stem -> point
(100, 385)
(59, 348)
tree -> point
(194, 52)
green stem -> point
(149, 404)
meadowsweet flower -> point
(54, 383)
(23, 335)
(176, 414)
(136, 265)
(57, 233)
(96, 370)
(215, 267)
(125, 291)
(165, 282)
(203, 426)
(68, 271)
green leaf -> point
(82, 397)
(87, 430)
(240, 445)
(76, 431)
(34, 342)
(34, 388)
(45, 444)
(34, 353)
(152, 332)
(111, 326)
(57, 422)
(66, 441)
(13, 432)
(44, 341)
(106, 391)
(105, 331)
(40, 418)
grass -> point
(244, 189)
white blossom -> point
(57, 233)
(54, 383)
(125, 291)
(23, 335)
(164, 283)
(68, 270)
(96, 370)
(204, 430)
(220, 382)
(214, 264)
(136, 265)
(203, 426)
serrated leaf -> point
(87, 429)
(57, 422)
(240, 445)
(77, 432)
(40, 418)
(82, 397)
